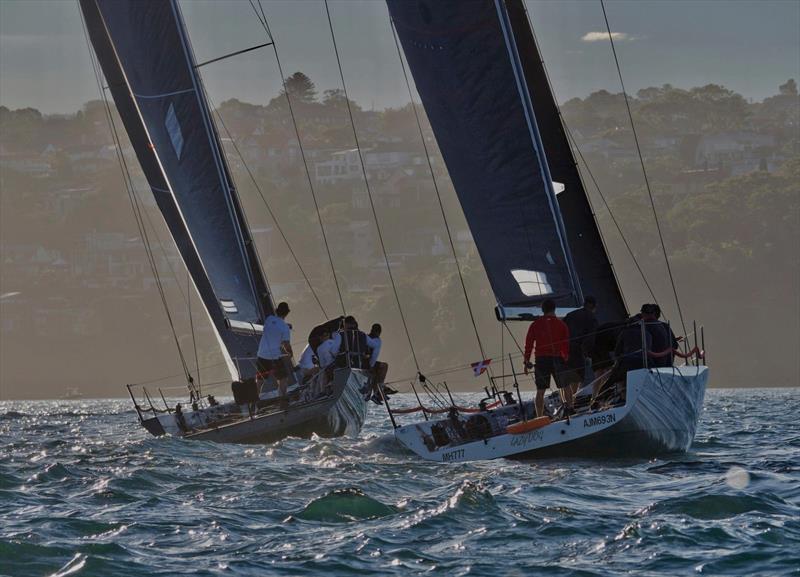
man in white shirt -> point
(327, 351)
(378, 368)
(306, 362)
(275, 344)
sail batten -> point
(146, 57)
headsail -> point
(147, 60)
(467, 70)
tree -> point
(789, 88)
(300, 88)
(334, 97)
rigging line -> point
(132, 197)
(503, 356)
(577, 149)
(267, 206)
(237, 53)
(438, 196)
(369, 191)
(644, 171)
(191, 326)
(577, 167)
(263, 19)
(160, 243)
(513, 338)
(168, 377)
(610, 212)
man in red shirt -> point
(551, 337)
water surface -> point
(85, 491)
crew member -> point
(378, 369)
(551, 339)
(582, 326)
(628, 351)
(275, 344)
(354, 352)
(306, 364)
(663, 338)
(329, 348)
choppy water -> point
(85, 491)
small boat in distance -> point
(146, 57)
(482, 81)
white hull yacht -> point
(659, 414)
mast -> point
(147, 60)
(588, 250)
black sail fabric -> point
(588, 252)
(148, 63)
(462, 57)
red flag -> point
(480, 367)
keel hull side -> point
(662, 419)
(344, 412)
(660, 416)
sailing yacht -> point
(146, 57)
(484, 87)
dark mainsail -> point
(484, 89)
(467, 71)
(588, 252)
(148, 63)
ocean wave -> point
(345, 505)
(87, 490)
(718, 506)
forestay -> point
(466, 67)
(147, 60)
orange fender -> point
(527, 426)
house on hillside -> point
(740, 151)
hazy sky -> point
(749, 46)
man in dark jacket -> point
(582, 326)
(663, 338)
(354, 352)
(628, 352)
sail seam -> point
(237, 226)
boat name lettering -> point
(599, 420)
(527, 438)
(452, 455)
